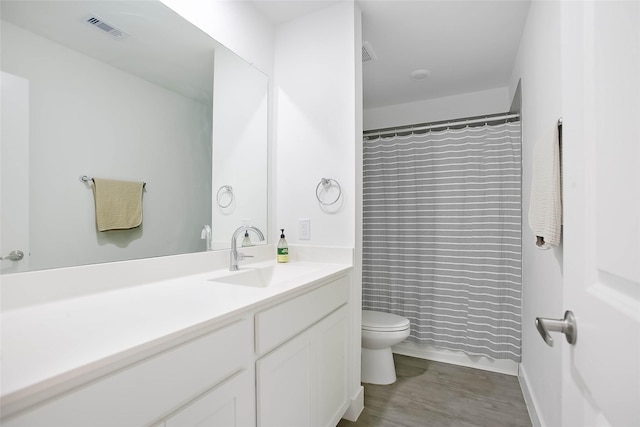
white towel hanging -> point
(545, 210)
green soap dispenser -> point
(283, 248)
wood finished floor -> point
(439, 394)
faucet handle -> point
(242, 255)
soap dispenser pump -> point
(246, 241)
(283, 248)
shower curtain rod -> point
(409, 129)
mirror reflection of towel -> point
(545, 210)
(118, 204)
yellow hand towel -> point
(118, 204)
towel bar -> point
(87, 179)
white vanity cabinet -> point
(303, 381)
(150, 390)
(274, 363)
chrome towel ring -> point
(225, 189)
(326, 184)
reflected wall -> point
(139, 108)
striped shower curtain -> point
(442, 232)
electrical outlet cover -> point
(304, 229)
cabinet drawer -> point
(276, 325)
(143, 393)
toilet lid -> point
(383, 322)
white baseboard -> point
(529, 400)
(456, 358)
(356, 407)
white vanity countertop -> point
(49, 344)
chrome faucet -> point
(235, 255)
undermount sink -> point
(264, 276)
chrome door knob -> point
(567, 326)
(14, 256)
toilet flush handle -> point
(567, 326)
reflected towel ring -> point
(227, 189)
(326, 183)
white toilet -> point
(380, 331)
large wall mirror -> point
(124, 90)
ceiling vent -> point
(368, 54)
(106, 27)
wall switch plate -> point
(304, 229)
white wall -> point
(315, 115)
(88, 118)
(538, 64)
(432, 110)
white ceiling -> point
(466, 45)
(281, 11)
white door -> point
(601, 164)
(14, 171)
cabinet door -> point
(304, 381)
(331, 337)
(231, 404)
(285, 379)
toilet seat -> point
(377, 321)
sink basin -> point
(264, 276)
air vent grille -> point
(368, 54)
(108, 28)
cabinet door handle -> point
(567, 326)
